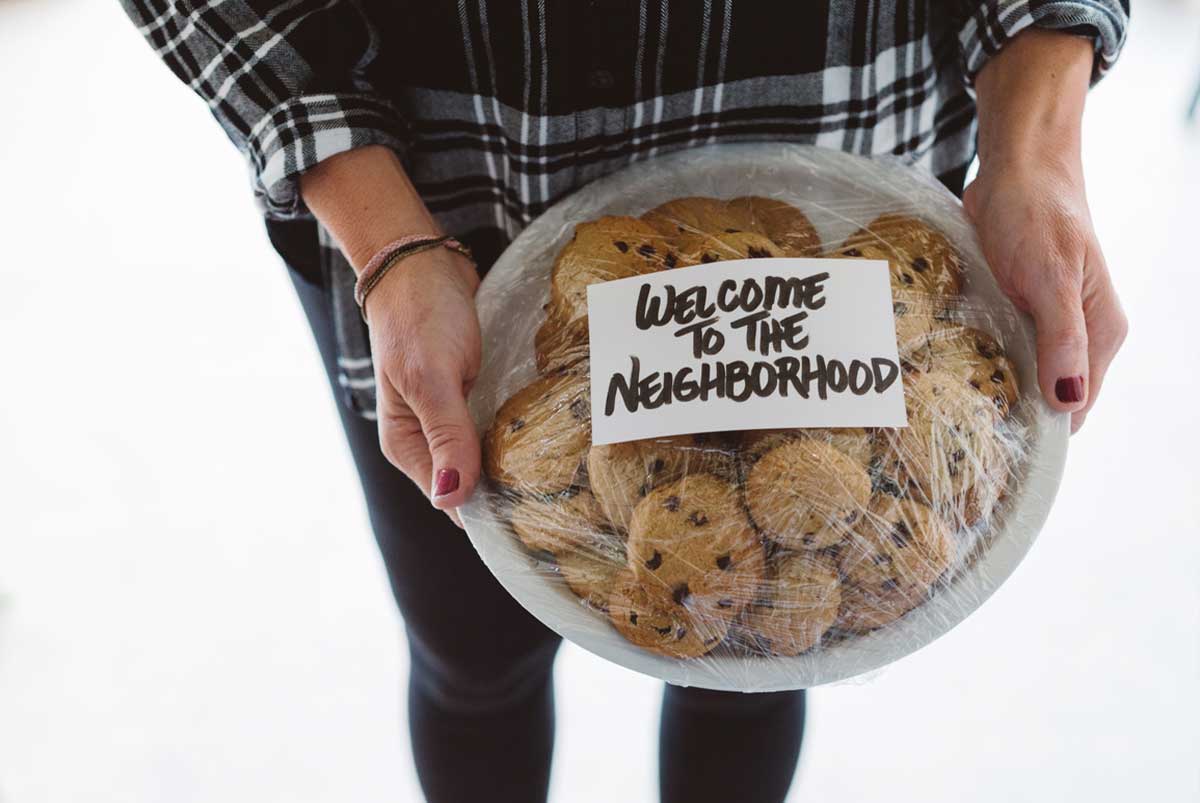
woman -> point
(366, 122)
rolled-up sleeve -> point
(286, 81)
(988, 25)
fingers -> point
(1062, 338)
(1107, 328)
(440, 404)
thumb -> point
(1062, 342)
(440, 405)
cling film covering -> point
(759, 559)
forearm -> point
(1030, 97)
(366, 200)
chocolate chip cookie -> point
(539, 438)
(805, 494)
(800, 601)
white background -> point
(854, 322)
(191, 607)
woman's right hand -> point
(426, 348)
(424, 331)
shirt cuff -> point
(299, 133)
(992, 24)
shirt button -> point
(600, 79)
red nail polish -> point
(1069, 390)
(447, 482)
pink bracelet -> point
(392, 253)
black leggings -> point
(480, 697)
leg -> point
(721, 746)
(481, 709)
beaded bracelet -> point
(392, 253)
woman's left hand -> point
(1030, 210)
(1033, 221)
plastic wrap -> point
(760, 559)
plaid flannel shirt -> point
(498, 109)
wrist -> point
(366, 200)
(1031, 97)
(413, 274)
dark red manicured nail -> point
(1069, 390)
(447, 482)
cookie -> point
(972, 355)
(560, 343)
(754, 443)
(694, 215)
(539, 438)
(557, 524)
(900, 547)
(805, 494)
(655, 621)
(592, 566)
(950, 456)
(919, 257)
(600, 251)
(862, 611)
(917, 316)
(800, 601)
(692, 536)
(704, 247)
(621, 474)
(784, 224)
(856, 443)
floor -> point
(190, 605)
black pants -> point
(480, 697)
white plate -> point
(839, 192)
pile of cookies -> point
(764, 542)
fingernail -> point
(1068, 389)
(446, 482)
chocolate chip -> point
(724, 603)
(671, 503)
(958, 455)
(517, 423)
(622, 246)
(670, 260)
(758, 253)
(889, 585)
(907, 278)
(807, 540)
(852, 252)
(732, 231)
(998, 376)
(646, 250)
(920, 264)
(900, 308)
(853, 517)
(664, 631)
(632, 618)
(679, 634)
(657, 466)
(655, 561)
(985, 350)
(643, 489)
(680, 593)
(579, 409)
(879, 558)
(975, 384)
(706, 258)
(724, 562)
(698, 519)
(901, 535)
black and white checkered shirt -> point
(500, 108)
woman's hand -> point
(424, 331)
(1030, 210)
(425, 345)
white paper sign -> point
(744, 344)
